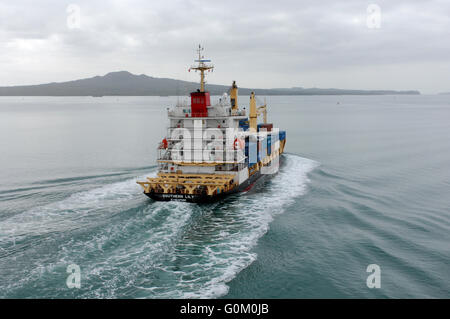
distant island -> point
(124, 83)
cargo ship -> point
(213, 150)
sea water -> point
(365, 180)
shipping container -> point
(262, 147)
(252, 153)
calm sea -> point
(366, 180)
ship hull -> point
(203, 198)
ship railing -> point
(201, 163)
(163, 166)
(235, 168)
(238, 113)
(219, 144)
(213, 158)
(182, 103)
(165, 152)
(206, 140)
(178, 113)
(182, 154)
(170, 129)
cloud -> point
(258, 43)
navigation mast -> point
(202, 66)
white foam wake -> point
(163, 249)
(73, 211)
(217, 249)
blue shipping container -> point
(252, 153)
(262, 145)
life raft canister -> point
(238, 144)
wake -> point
(129, 246)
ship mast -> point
(202, 66)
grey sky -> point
(262, 44)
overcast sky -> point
(264, 44)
